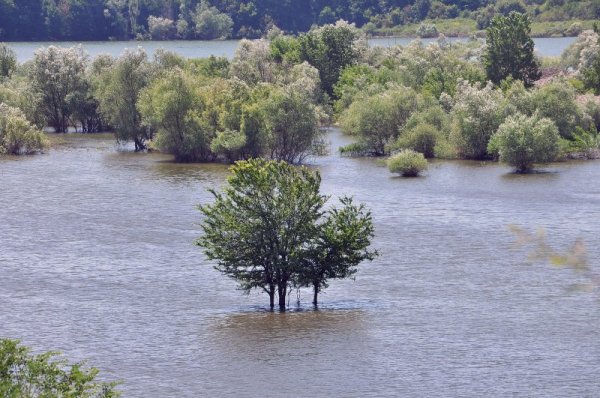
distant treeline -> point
(22, 20)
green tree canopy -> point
(268, 230)
(57, 74)
(172, 106)
(25, 375)
(330, 49)
(211, 23)
(118, 88)
(509, 50)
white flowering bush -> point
(161, 28)
(476, 116)
(583, 52)
(252, 62)
(58, 74)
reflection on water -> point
(547, 173)
(97, 260)
(247, 329)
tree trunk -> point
(272, 299)
(316, 294)
(282, 296)
(139, 145)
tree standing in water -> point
(268, 230)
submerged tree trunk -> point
(282, 296)
(315, 294)
(139, 145)
(272, 299)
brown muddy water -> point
(97, 260)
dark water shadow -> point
(419, 177)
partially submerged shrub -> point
(522, 141)
(378, 119)
(17, 135)
(228, 143)
(354, 149)
(408, 163)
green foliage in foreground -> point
(522, 141)
(25, 375)
(408, 163)
(17, 135)
(268, 230)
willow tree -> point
(118, 89)
(56, 75)
(268, 230)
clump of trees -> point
(269, 230)
(274, 97)
(23, 374)
(448, 100)
(258, 105)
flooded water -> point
(97, 260)
(226, 48)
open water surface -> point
(226, 48)
(97, 260)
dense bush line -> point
(275, 96)
(213, 19)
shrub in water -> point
(408, 163)
(522, 141)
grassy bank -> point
(460, 27)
